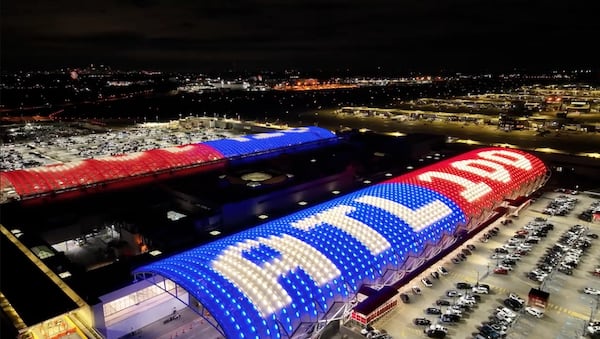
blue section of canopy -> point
(272, 143)
(338, 239)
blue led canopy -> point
(262, 145)
(266, 281)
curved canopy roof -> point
(266, 281)
(478, 179)
(269, 142)
(74, 175)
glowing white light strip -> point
(500, 173)
(261, 284)
(472, 192)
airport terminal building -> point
(294, 276)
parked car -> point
(453, 293)
(433, 310)
(477, 297)
(442, 270)
(438, 327)
(463, 285)
(512, 304)
(435, 275)
(471, 247)
(592, 291)
(565, 270)
(487, 331)
(517, 298)
(450, 318)
(405, 298)
(421, 321)
(499, 270)
(507, 311)
(536, 312)
(426, 282)
(434, 333)
(442, 302)
(480, 290)
(416, 290)
(498, 256)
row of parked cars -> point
(564, 256)
(588, 214)
(489, 234)
(462, 255)
(501, 318)
(520, 244)
(416, 290)
(561, 205)
(463, 300)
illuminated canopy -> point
(266, 281)
(57, 178)
(272, 143)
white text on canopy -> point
(492, 161)
(259, 283)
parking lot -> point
(568, 310)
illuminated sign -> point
(263, 282)
(292, 268)
(478, 179)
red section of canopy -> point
(52, 178)
(519, 176)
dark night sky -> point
(398, 35)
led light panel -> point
(263, 282)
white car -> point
(480, 290)
(453, 311)
(465, 301)
(505, 317)
(507, 311)
(442, 270)
(513, 256)
(536, 312)
(592, 291)
(517, 298)
(506, 267)
(438, 327)
(593, 329)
